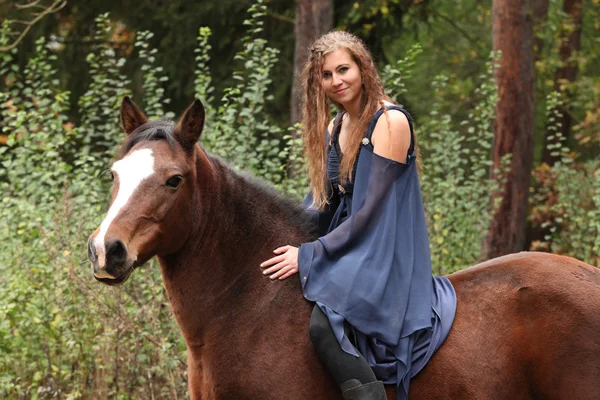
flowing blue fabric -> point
(371, 269)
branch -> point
(28, 5)
(280, 17)
(56, 6)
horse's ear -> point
(131, 116)
(190, 125)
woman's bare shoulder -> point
(391, 136)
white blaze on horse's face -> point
(131, 171)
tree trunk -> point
(313, 19)
(512, 33)
(565, 75)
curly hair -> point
(316, 114)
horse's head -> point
(154, 183)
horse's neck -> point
(219, 265)
(253, 218)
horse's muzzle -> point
(115, 268)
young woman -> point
(379, 313)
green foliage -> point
(396, 75)
(98, 132)
(154, 94)
(455, 176)
(203, 82)
(241, 132)
(573, 223)
(61, 335)
(35, 119)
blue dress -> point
(371, 269)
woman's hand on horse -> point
(284, 265)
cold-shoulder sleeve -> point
(374, 269)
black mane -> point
(255, 193)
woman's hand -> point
(284, 265)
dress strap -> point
(373, 123)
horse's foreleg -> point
(195, 378)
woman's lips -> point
(340, 91)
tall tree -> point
(512, 34)
(566, 74)
(313, 18)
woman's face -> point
(341, 78)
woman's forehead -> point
(337, 57)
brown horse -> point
(527, 325)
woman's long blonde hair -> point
(315, 110)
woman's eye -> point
(327, 75)
(174, 181)
(343, 69)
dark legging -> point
(343, 366)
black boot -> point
(354, 390)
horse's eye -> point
(174, 181)
(112, 176)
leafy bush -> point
(455, 178)
(568, 197)
(61, 335)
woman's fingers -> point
(272, 261)
(281, 249)
(291, 272)
(283, 272)
(275, 268)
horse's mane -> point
(260, 193)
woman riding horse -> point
(377, 305)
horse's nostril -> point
(92, 256)
(116, 252)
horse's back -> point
(526, 327)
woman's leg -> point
(343, 366)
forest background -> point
(505, 97)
